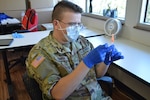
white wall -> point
(140, 36)
(37, 4)
(12, 7)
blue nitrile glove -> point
(16, 35)
(97, 55)
(112, 55)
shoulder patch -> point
(37, 61)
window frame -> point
(142, 14)
(147, 1)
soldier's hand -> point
(96, 56)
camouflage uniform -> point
(48, 61)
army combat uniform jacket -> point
(48, 61)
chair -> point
(35, 93)
(32, 87)
(21, 59)
(106, 83)
(29, 24)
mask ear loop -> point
(62, 29)
(60, 26)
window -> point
(147, 12)
(144, 19)
(106, 8)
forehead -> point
(71, 16)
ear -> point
(56, 24)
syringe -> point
(112, 42)
(112, 38)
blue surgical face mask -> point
(72, 32)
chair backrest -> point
(30, 20)
(32, 87)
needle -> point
(110, 53)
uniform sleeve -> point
(43, 70)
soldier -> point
(65, 64)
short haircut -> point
(64, 6)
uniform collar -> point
(70, 47)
